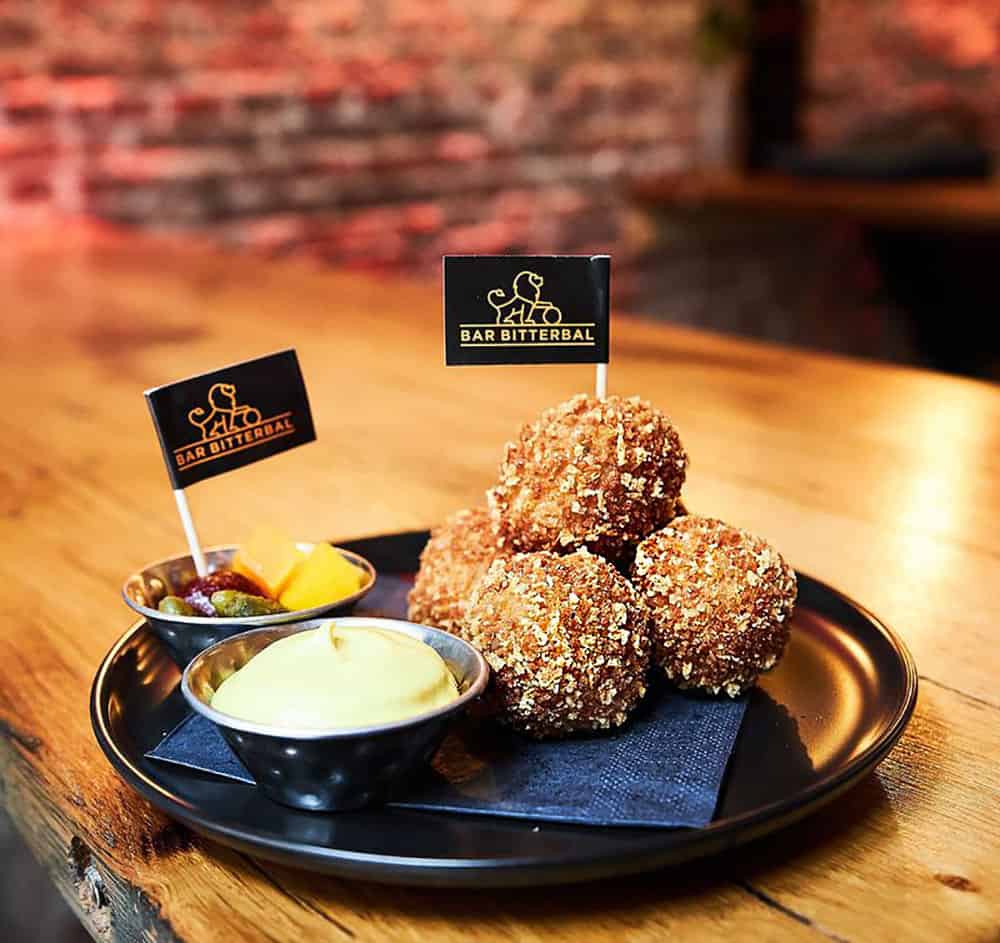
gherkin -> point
(232, 604)
(175, 606)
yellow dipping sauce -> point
(338, 676)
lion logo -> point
(526, 303)
(224, 415)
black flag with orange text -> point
(219, 421)
(510, 309)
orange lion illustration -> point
(225, 415)
(526, 303)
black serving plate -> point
(819, 722)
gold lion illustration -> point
(526, 303)
(225, 415)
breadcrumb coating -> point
(568, 640)
(455, 558)
(589, 473)
(720, 600)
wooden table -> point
(941, 204)
(882, 481)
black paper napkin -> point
(665, 768)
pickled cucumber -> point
(232, 604)
(175, 606)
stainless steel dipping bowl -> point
(334, 769)
(185, 636)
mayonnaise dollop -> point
(338, 676)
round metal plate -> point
(820, 721)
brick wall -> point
(384, 133)
(876, 59)
(362, 132)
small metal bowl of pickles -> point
(157, 592)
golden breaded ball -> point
(720, 601)
(589, 473)
(567, 638)
(451, 564)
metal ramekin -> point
(335, 769)
(185, 636)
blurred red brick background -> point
(876, 59)
(384, 133)
(388, 133)
(368, 133)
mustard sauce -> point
(338, 676)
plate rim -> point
(671, 844)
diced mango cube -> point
(322, 578)
(269, 558)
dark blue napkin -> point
(664, 769)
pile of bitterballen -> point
(584, 570)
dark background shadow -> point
(30, 907)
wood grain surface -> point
(947, 204)
(882, 481)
